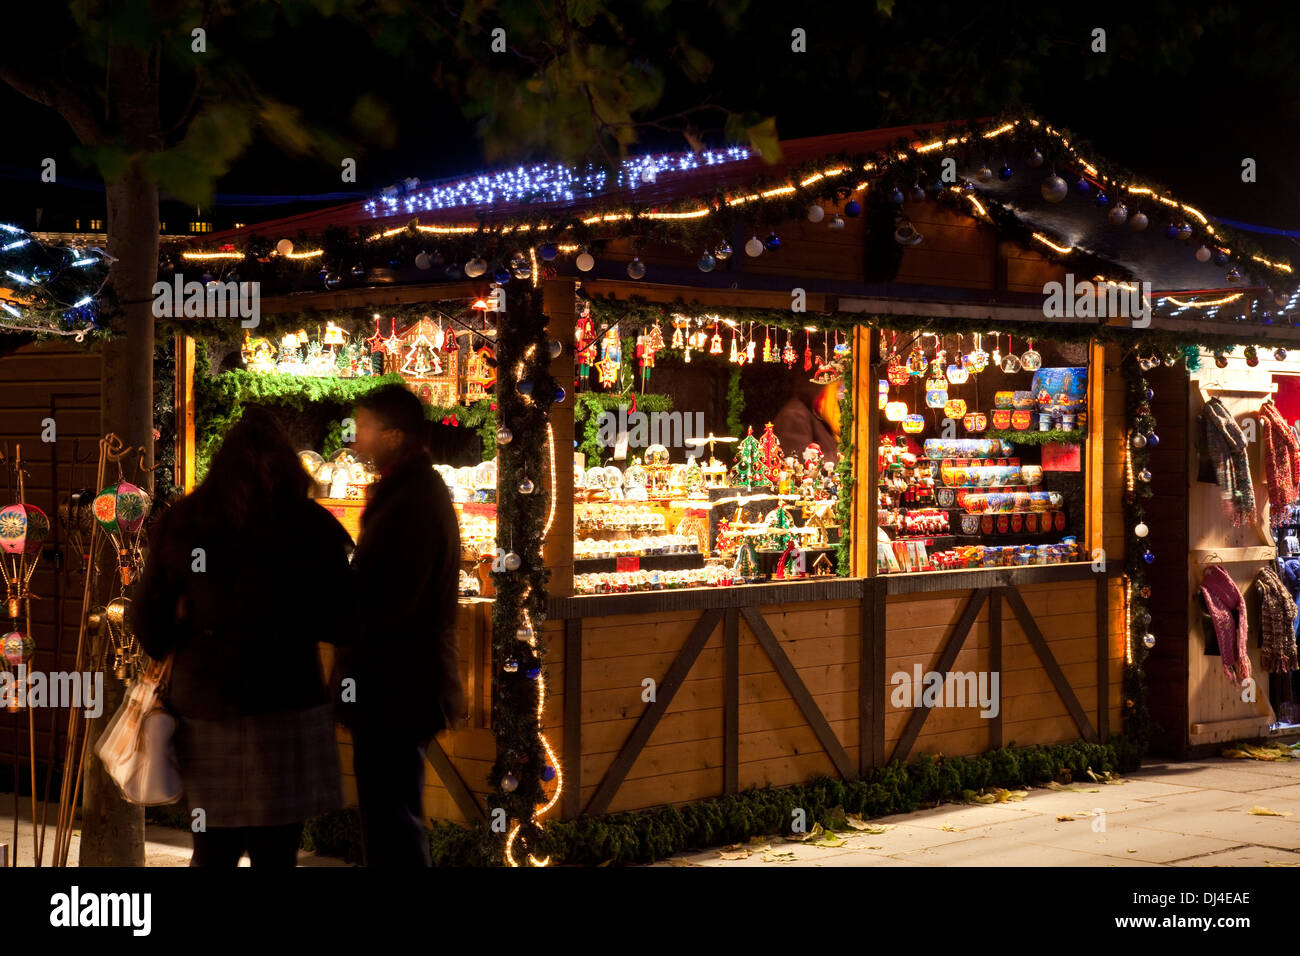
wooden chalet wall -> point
(37, 382)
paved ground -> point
(164, 846)
(1195, 813)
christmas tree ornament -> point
(852, 209)
(1184, 231)
(735, 352)
(509, 783)
(1252, 356)
(548, 773)
(1171, 231)
(706, 263)
(1101, 199)
(504, 436)
(1141, 530)
(422, 260)
(754, 247)
(554, 348)
(636, 269)
(17, 647)
(526, 486)
(749, 468)
(475, 267)
(1221, 359)
(1138, 221)
(525, 633)
(1144, 475)
(511, 665)
(1203, 254)
(722, 252)
(333, 280)
(1220, 257)
(611, 359)
(807, 351)
(1118, 214)
(1281, 298)
(837, 222)
(1004, 172)
(1234, 275)
(548, 251)
(1148, 640)
(787, 353)
(896, 197)
(560, 395)
(1054, 188)
(511, 561)
(918, 193)
(1030, 360)
(1011, 361)
(1153, 440)
(1279, 354)
(1149, 557)
(524, 387)
(1034, 159)
(1082, 186)
(358, 272)
(501, 274)
(1139, 440)
(585, 261)
(770, 455)
(773, 241)
(816, 213)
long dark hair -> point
(255, 472)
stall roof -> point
(1077, 227)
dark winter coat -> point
(406, 576)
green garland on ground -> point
(1051, 437)
(590, 406)
(844, 477)
(647, 835)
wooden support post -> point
(731, 700)
(995, 663)
(571, 753)
(184, 402)
(1103, 658)
(1095, 449)
(866, 435)
(557, 303)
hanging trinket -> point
(735, 353)
(1010, 362)
(611, 359)
(767, 346)
(787, 353)
(715, 343)
(807, 351)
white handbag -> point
(137, 747)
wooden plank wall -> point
(37, 382)
(683, 759)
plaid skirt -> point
(260, 770)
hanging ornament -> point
(816, 213)
(1148, 640)
(511, 561)
(510, 783)
(475, 267)
(548, 251)
(1171, 231)
(1149, 557)
(1118, 214)
(585, 261)
(1082, 186)
(504, 436)
(1279, 354)
(918, 194)
(1203, 254)
(333, 280)
(611, 358)
(722, 252)
(984, 174)
(526, 486)
(715, 343)
(852, 209)
(787, 353)
(1221, 359)
(754, 247)
(1234, 275)
(1144, 474)
(1280, 298)
(807, 351)
(773, 241)
(510, 666)
(636, 269)
(1184, 231)
(1031, 361)
(1004, 172)
(1102, 199)
(896, 197)
(735, 352)
(1139, 440)
(422, 260)
(1034, 159)
(1252, 356)
(1011, 361)
(1139, 221)
(837, 222)
(1153, 440)
(1141, 530)
(767, 346)
(706, 263)
(1054, 188)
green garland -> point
(647, 835)
(844, 477)
(1137, 717)
(735, 404)
(520, 605)
(1051, 437)
(590, 406)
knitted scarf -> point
(1228, 611)
(1227, 446)
(1277, 613)
(1281, 461)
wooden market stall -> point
(678, 694)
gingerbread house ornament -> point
(429, 372)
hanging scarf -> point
(1228, 611)
(1277, 613)
(1227, 447)
(1281, 461)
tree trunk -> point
(112, 829)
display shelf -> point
(648, 562)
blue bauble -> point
(896, 197)
(1171, 231)
(502, 275)
(533, 673)
(706, 263)
(548, 251)
(1102, 199)
(1004, 172)
(452, 271)
(1220, 259)
(548, 773)
(934, 188)
(853, 208)
(1083, 187)
(1267, 317)
(773, 241)
(1149, 557)
(524, 386)
(1153, 440)
(560, 394)
(1150, 394)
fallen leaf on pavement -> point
(952, 829)
(1064, 818)
(733, 854)
(1266, 812)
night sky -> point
(1180, 108)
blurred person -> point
(404, 665)
(243, 578)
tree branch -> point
(77, 112)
